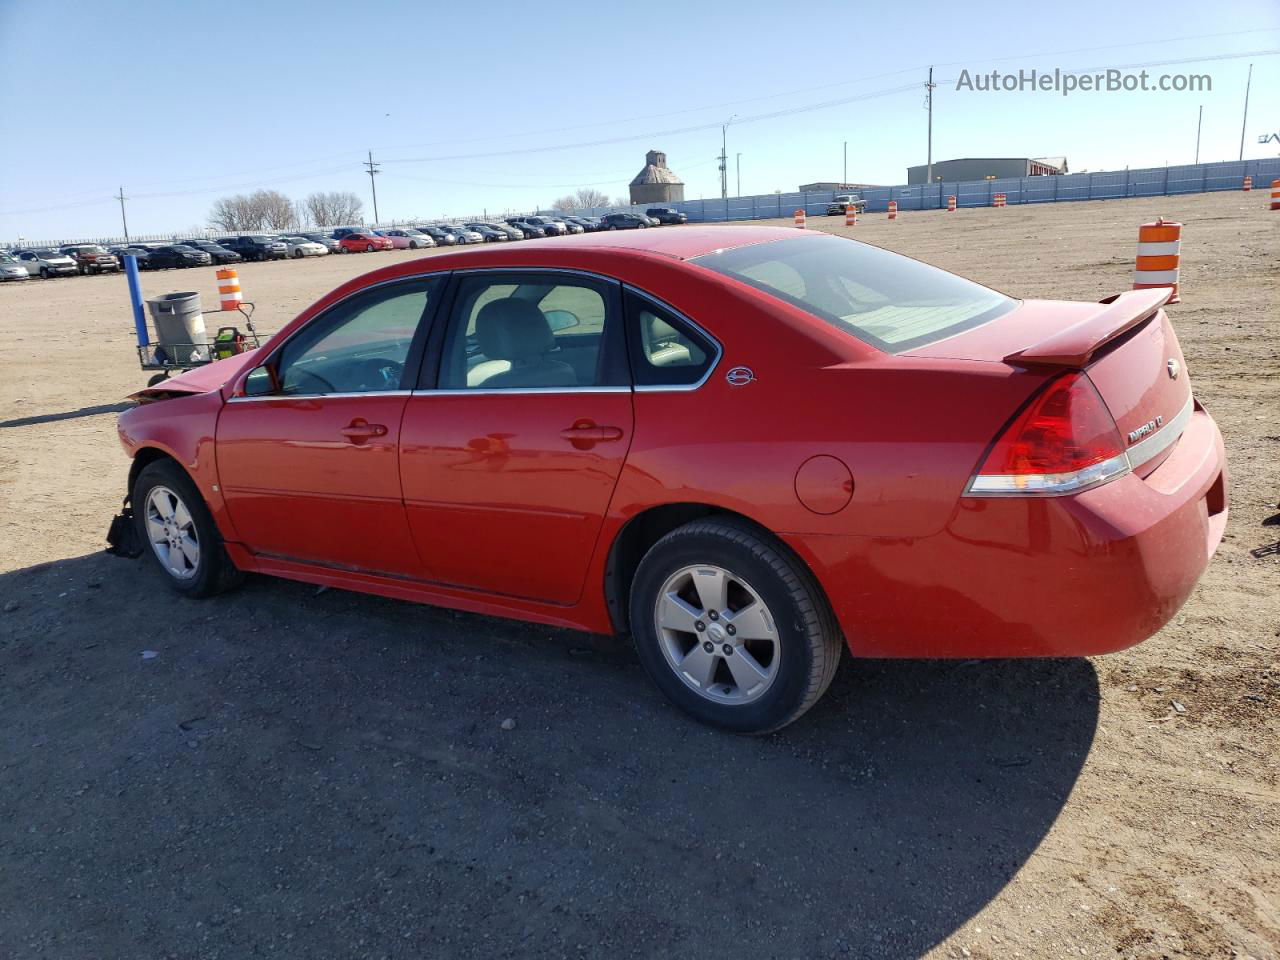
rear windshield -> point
(887, 300)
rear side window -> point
(665, 349)
(890, 301)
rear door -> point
(309, 466)
(511, 449)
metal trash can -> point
(180, 326)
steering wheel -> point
(377, 373)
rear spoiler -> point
(1076, 345)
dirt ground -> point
(291, 773)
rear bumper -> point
(1023, 577)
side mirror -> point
(261, 381)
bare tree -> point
(590, 197)
(234, 214)
(332, 209)
(275, 210)
(583, 198)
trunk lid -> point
(1125, 344)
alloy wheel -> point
(172, 532)
(717, 634)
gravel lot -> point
(291, 773)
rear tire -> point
(175, 524)
(786, 627)
(44, 273)
(297, 254)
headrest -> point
(514, 330)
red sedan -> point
(363, 243)
(747, 448)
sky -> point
(480, 108)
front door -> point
(509, 456)
(308, 465)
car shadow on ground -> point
(316, 773)
(67, 414)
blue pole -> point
(135, 296)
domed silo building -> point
(656, 183)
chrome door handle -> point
(359, 430)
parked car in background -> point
(299, 247)
(441, 237)
(216, 251)
(92, 258)
(588, 224)
(842, 203)
(47, 263)
(462, 234)
(666, 215)
(530, 231)
(179, 255)
(624, 221)
(141, 254)
(363, 242)
(11, 269)
(257, 246)
(512, 232)
(569, 225)
(407, 238)
(488, 231)
(329, 242)
(552, 227)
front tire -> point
(368, 248)
(732, 628)
(175, 523)
(297, 254)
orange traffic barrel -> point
(951, 204)
(800, 217)
(998, 200)
(229, 289)
(1248, 184)
(893, 209)
(850, 215)
(1159, 246)
(1275, 194)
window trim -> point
(717, 347)
(413, 360)
(612, 344)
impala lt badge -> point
(1174, 367)
(1151, 426)
(740, 376)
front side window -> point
(527, 331)
(892, 302)
(359, 346)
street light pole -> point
(724, 158)
(844, 182)
(1199, 121)
(738, 162)
(928, 87)
(1245, 119)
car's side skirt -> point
(417, 591)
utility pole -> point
(739, 165)
(928, 99)
(123, 222)
(1245, 120)
(1199, 121)
(374, 169)
(844, 182)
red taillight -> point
(1063, 441)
